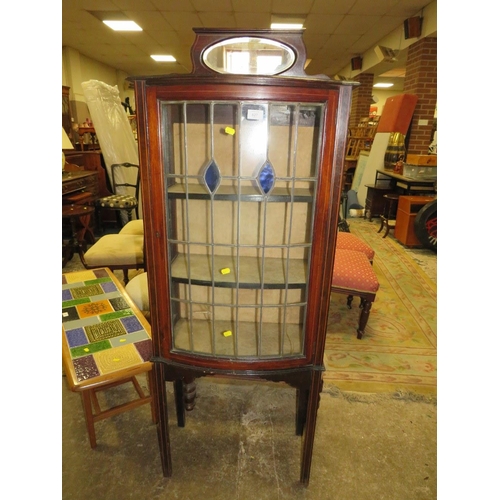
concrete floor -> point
(239, 443)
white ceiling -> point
(335, 30)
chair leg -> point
(363, 317)
(349, 301)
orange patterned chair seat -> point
(347, 241)
(353, 275)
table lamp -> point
(66, 144)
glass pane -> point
(249, 56)
(240, 190)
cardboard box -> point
(427, 160)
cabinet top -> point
(263, 57)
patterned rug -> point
(398, 349)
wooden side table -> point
(80, 219)
(374, 203)
(388, 218)
(106, 341)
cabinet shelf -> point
(207, 338)
(248, 193)
(278, 273)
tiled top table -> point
(106, 340)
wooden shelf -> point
(250, 271)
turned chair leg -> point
(349, 301)
(363, 317)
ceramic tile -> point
(101, 330)
(119, 358)
(94, 308)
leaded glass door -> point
(240, 190)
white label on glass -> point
(255, 114)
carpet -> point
(398, 349)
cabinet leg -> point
(301, 410)
(179, 403)
(310, 427)
(162, 426)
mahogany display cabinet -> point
(241, 175)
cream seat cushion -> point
(116, 250)
(133, 227)
(137, 288)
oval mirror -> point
(249, 56)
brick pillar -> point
(361, 98)
(421, 79)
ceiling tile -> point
(249, 20)
(182, 21)
(291, 6)
(217, 19)
(172, 5)
(320, 24)
(212, 5)
(332, 7)
(252, 6)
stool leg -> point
(363, 318)
(89, 417)
(349, 301)
(382, 219)
(387, 228)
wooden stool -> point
(106, 343)
(94, 413)
(80, 218)
(353, 274)
(388, 218)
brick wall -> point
(421, 79)
(361, 98)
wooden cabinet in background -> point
(66, 112)
(408, 208)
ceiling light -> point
(122, 25)
(286, 26)
(164, 58)
(284, 22)
(383, 85)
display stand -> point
(241, 176)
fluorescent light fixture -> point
(287, 22)
(122, 25)
(286, 26)
(383, 85)
(163, 58)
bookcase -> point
(241, 170)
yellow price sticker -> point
(227, 333)
(225, 270)
(230, 130)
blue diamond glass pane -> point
(212, 176)
(266, 178)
